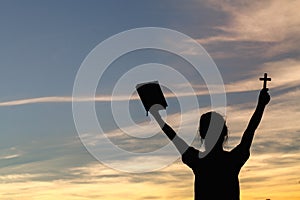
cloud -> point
(16, 177)
(271, 154)
(104, 98)
(275, 23)
(10, 153)
(97, 181)
(10, 156)
(59, 99)
(284, 74)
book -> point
(150, 94)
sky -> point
(44, 43)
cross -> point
(265, 79)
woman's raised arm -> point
(248, 135)
(179, 143)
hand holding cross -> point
(264, 96)
(265, 79)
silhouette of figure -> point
(216, 174)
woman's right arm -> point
(179, 143)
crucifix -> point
(265, 79)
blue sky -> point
(43, 44)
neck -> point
(217, 149)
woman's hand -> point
(154, 110)
(264, 97)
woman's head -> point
(213, 129)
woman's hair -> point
(213, 123)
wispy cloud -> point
(271, 154)
(104, 98)
(10, 153)
(10, 156)
(283, 72)
(57, 99)
(271, 22)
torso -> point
(216, 175)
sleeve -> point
(190, 157)
(240, 155)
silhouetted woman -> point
(216, 172)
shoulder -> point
(240, 154)
(191, 151)
(190, 156)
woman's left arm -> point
(248, 135)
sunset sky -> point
(43, 44)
